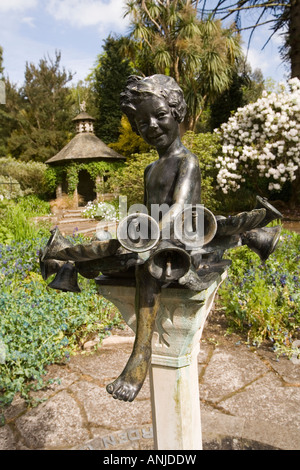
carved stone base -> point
(175, 347)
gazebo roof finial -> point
(82, 107)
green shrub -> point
(129, 143)
(206, 147)
(16, 218)
(9, 188)
(30, 175)
(129, 180)
(264, 300)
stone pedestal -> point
(175, 347)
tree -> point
(43, 117)
(9, 122)
(197, 53)
(285, 17)
(1, 63)
(129, 142)
(246, 87)
(8, 111)
(110, 76)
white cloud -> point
(83, 13)
(29, 20)
(17, 5)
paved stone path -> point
(249, 400)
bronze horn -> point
(138, 232)
(195, 226)
(55, 243)
(271, 212)
(66, 279)
(168, 262)
(262, 241)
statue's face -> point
(155, 122)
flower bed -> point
(264, 300)
(40, 326)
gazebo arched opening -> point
(86, 188)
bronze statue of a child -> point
(155, 107)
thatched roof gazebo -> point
(84, 164)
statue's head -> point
(161, 86)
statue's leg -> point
(147, 301)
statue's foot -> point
(122, 390)
(130, 381)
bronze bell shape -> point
(169, 262)
(49, 267)
(55, 243)
(262, 241)
(271, 212)
(66, 279)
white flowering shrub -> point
(261, 140)
(100, 211)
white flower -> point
(263, 132)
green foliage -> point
(199, 53)
(55, 175)
(81, 92)
(9, 115)
(245, 87)
(110, 76)
(1, 63)
(16, 218)
(206, 147)
(264, 300)
(31, 175)
(41, 110)
(129, 180)
(9, 188)
(129, 142)
(39, 326)
(33, 206)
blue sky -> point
(31, 29)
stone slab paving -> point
(249, 400)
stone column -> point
(58, 190)
(174, 367)
(75, 196)
(99, 187)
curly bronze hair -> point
(159, 85)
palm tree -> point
(198, 53)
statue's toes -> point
(122, 391)
(110, 388)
